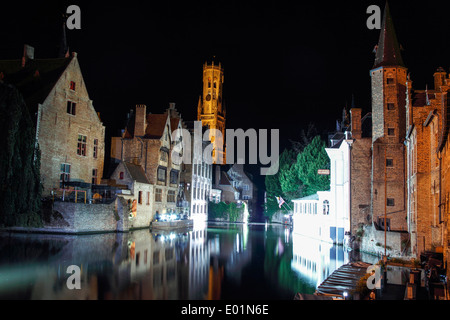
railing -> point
(81, 196)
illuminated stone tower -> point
(211, 111)
(388, 77)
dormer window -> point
(72, 85)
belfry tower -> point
(211, 111)
(388, 81)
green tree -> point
(284, 183)
(313, 158)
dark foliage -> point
(20, 188)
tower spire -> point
(388, 50)
(63, 48)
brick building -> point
(69, 132)
(388, 81)
(147, 141)
(424, 109)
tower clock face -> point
(208, 97)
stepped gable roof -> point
(136, 172)
(36, 79)
(388, 49)
(419, 98)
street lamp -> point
(345, 295)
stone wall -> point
(373, 242)
(85, 218)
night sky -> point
(286, 64)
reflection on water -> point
(220, 261)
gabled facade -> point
(147, 141)
(69, 132)
(138, 192)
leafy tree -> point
(313, 158)
(284, 183)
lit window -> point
(71, 106)
(81, 147)
(121, 175)
(72, 85)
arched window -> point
(326, 207)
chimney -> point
(355, 114)
(439, 78)
(28, 54)
(140, 122)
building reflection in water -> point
(315, 260)
(206, 262)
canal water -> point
(217, 261)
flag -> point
(280, 201)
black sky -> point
(286, 63)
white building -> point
(339, 154)
(326, 215)
(197, 181)
(312, 218)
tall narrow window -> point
(81, 147)
(173, 176)
(162, 174)
(158, 195)
(71, 106)
(140, 197)
(72, 85)
(95, 148)
(148, 198)
(64, 174)
(94, 176)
